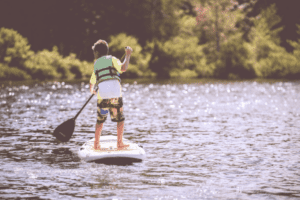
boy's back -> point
(107, 70)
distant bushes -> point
(51, 65)
(277, 63)
(12, 73)
(14, 49)
(177, 57)
(18, 62)
(40, 65)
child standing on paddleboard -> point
(109, 94)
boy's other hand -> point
(92, 89)
(128, 50)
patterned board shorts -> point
(115, 108)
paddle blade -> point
(65, 131)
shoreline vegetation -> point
(191, 52)
(188, 81)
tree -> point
(270, 59)
(74, 25)
(14, 48)
(217, 21)
(235, 59)
(296, 45)
(262, 36)
(287, 10)
(296, 54)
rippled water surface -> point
(214, 140)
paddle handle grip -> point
(83, 106)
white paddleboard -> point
(108, 145)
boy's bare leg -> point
(97, 136)
(120, 130)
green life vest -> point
(104, 69)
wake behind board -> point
(109, 150)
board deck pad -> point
(108, 146)
(108, 149)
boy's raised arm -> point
(127, 59)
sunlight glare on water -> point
(213, 139)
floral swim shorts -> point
(115, 108)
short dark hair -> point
(101, 48)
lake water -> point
(203, 139)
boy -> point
(109, 98)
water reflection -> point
(209, 139)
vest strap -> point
(110, 68)
(112, 72)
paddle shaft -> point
(83, 106)
(123, 55)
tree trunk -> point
(217, 30)
(153, 21)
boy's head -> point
(100, 48)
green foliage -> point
(170, 38)
(279, 64)
(186, 73)
(188, 26)
(75, 66)
(14, 48)
(62, 65)
(161, 61)
(263, 26)
(177, 57)
(234, 60)
(217, 20)
(165, 20)
(43, 65)
(287, 10)
(296, 45)
(139, 59)
(262, 39)
(12, 73)
(51, 65)
(186, 53)
(204, 69)
(20, 63)
(87, 69)
(271, 60)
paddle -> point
(65, 130)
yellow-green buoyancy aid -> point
(104, 69)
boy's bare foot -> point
(122, 146)
(96, 145)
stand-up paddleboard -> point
(108, 145)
